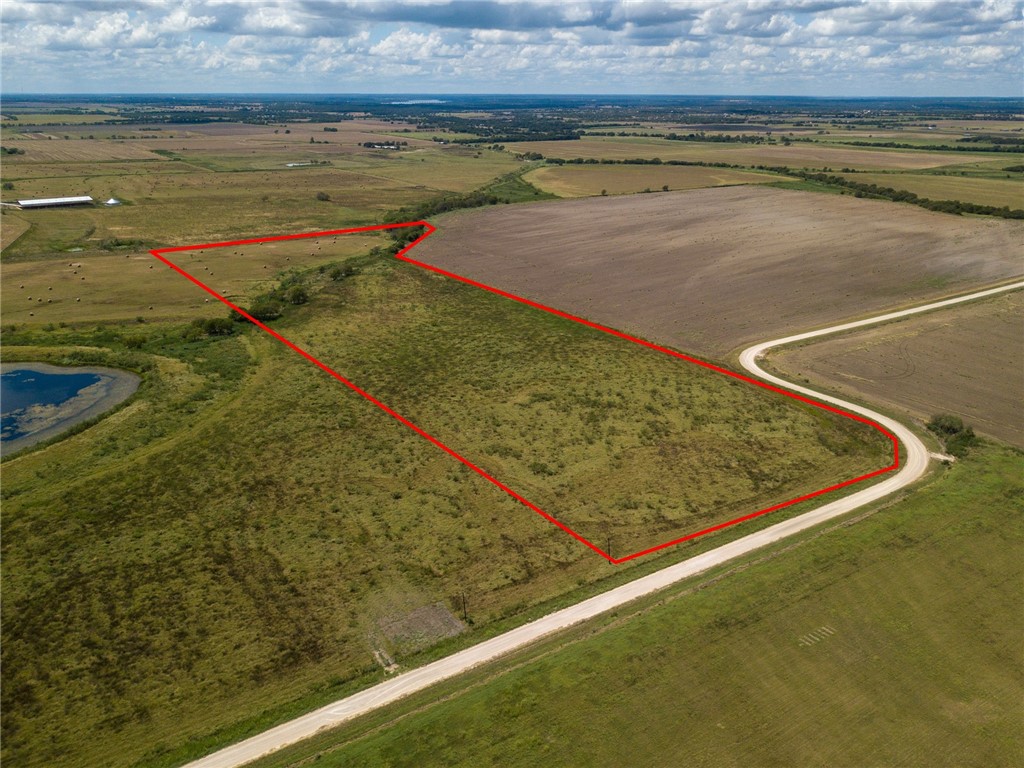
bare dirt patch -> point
(966, 360)
(712, 270)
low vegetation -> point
(848, 650)
(198, 559)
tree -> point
(323, 197)
(265, 310)
(297, 295)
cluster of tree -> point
(12, 151)
(721, 138)
(636, 161)
(1014, 168)
(990, 139)
(434, 207)
(329, 129)
(957, 438)
(901, 195)
(270, 306)
(214, 326)
(384, 144)
(113, 243)
(716, 138)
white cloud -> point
(752, 46)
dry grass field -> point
(587, 181)
(712, 270)
(795, 156)
(132, 284)
(966, 360)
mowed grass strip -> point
(895, 641)
(232, 541)
(584, 181)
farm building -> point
(49, 202)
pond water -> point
(21, 389)
(39, 401)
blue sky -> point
(756, 47)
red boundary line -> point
(401, 255)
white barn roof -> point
(46, 201)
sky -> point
(751, 47)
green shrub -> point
(957, 438)
(946, 424)
(297, 295)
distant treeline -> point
(720, 138)
(1004, 144)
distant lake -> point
(39, 401)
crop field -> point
(894, 641)
(42, 118)
(37, 172)
(712, 270)
(228, 558)
(57, 150)
(966, 360)
(1008, 190)
(587, 181)
(795, 156)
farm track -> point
(915, 463)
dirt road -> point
(914, 462)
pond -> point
(39, 401)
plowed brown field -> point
(712, 270)
(966, 360)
